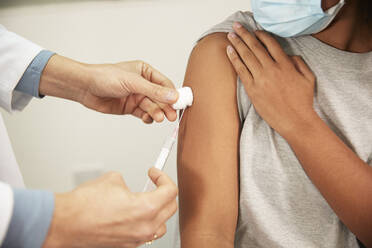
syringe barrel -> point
(160, 162)
(168, 144)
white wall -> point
(53, 139)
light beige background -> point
(59, 143)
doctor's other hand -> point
(104, 213)
(134, 88)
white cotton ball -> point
(185, 98)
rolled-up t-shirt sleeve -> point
(32, 215)
(30, 81)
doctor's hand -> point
(134, 88)
(280, 87)
(104, 213)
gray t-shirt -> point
(279, 206)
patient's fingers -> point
(246, 55)
(302, 67)
(273, 47)
(243, 72)
(254, 45)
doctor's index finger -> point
(155, 76)
(153, 91)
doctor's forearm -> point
(65, 78)
(341, 176)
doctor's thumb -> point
(159, 178)
(155, 92)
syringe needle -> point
(164, 153)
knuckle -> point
(140, 66)
(238, 42)
(163, 231)
(175, 206)
(158, 91)
(259, 32)
(172, 192)
(245, 33)
(244, 36)
(246, 53)
(147, 232)
(275, 71)
(256, 46)
(136, 233)
(149, 210)
(235, 59)
(259, 75)
(146, 70)
(157, 111)
(139, 62)
(240, 69)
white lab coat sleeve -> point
(16, 53)
(6, 209)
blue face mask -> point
(288, 18)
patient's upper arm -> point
(208, 149)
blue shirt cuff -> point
(30, 81)
(32, 215)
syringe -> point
(164, 154)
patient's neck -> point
(348, 31)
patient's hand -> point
(280, 87)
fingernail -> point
(172, 95)
(230, 49)
(160, 116)
(237, 25)
(232, 35)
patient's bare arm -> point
(208, 149)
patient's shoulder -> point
(209, 64)
(212, 78)
(215, 42)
